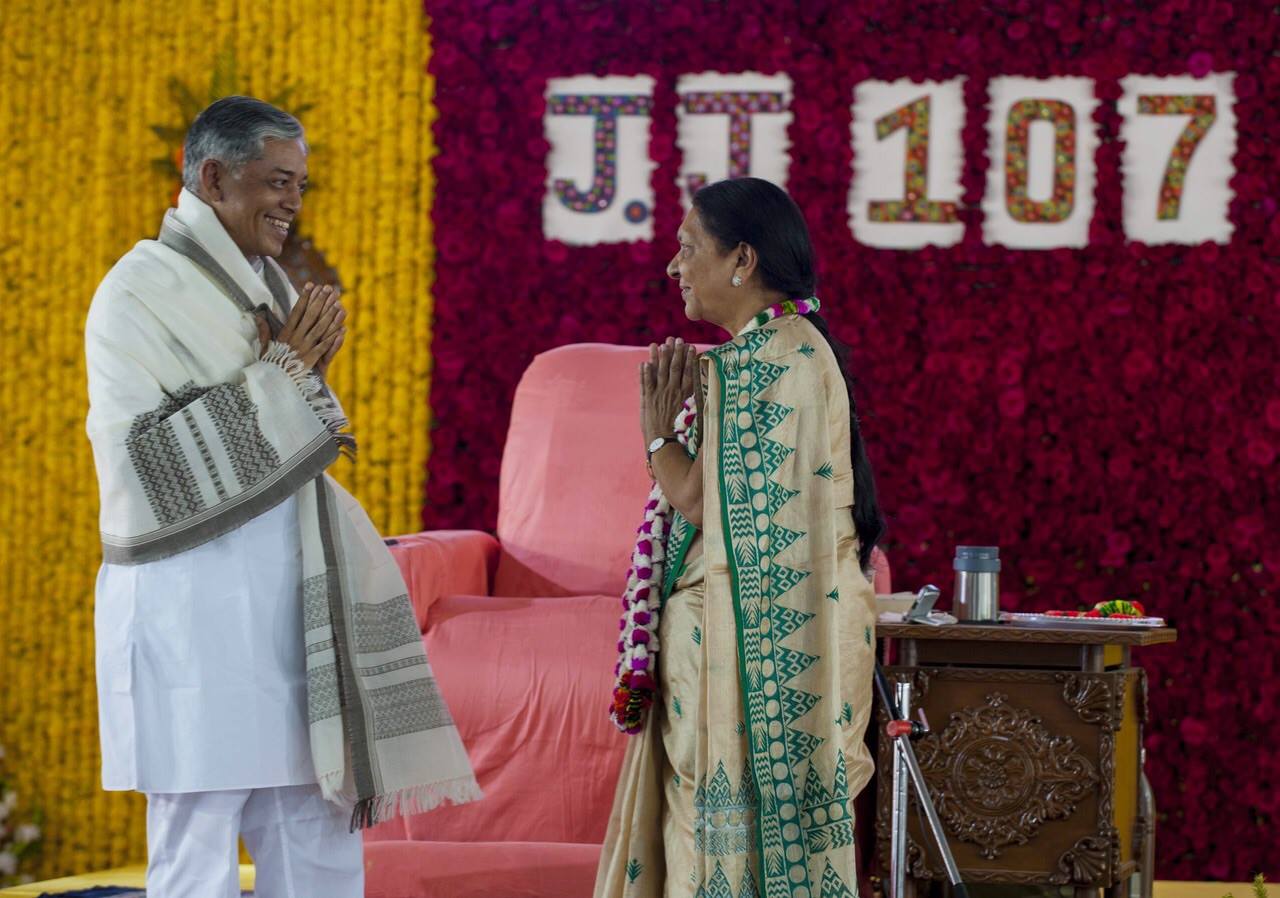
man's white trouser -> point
(300, 844)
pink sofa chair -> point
(521, 632)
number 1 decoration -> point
(908, 135)
(915, 205)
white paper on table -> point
(935, 618)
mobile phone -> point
(923, 604)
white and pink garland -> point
(637, 670)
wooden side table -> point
(1034, 759)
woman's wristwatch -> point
(658, 444)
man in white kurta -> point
(201, 664)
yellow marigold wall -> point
(82, 85)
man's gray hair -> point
(233, 131)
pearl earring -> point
(737, 280)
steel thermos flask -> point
(977, 584)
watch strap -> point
(665, 440)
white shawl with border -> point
(194, 434)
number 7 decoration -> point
(1180, 136)
(1040, 183)
(907, 157)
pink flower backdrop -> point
(1109, 416)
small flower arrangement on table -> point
(1117, 608)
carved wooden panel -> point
(1022, 767)
(998, 774)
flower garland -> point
(637, 670)
(787, 307)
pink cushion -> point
(444, 563)
(479, 870)
(573, 474)
(528, 681)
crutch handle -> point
(896, 728)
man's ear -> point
(211, 177)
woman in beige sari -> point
(740, 778)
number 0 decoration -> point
(1058, 207)
(1040, 183)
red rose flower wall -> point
(1106, 415)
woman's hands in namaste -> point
(669, 378)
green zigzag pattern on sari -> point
(750, 499)
(824, 810)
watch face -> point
(657, 444)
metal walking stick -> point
(906, 772)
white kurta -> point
(201, 665)
(202, 681)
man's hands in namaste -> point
(669, 378)
(316, 328)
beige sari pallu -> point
(743, 779)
